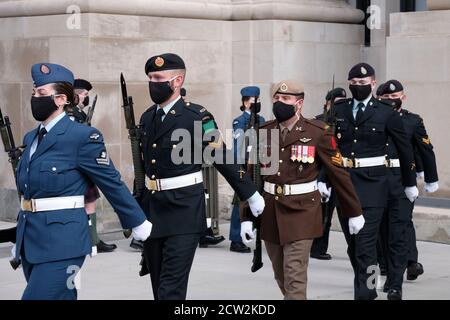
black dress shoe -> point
(394, 295)
(386, 287)
(414, 270)
(136, 244)
(208, 240)
(322, 256)
(104, 247)
(239, 247)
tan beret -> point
(289, 87)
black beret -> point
(336, 93)
(162, 62)
(183, 92)
(391, 86)
(82, 84)
(361, 70)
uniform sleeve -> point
(396, 130)
(418, 160)
(238, 140)
(425, 152)
(94, 161)
(339, 178)
(219, 156)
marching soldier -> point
(60, 159)
(292, 217)
(76, 113)
(400, 213)
(320, 245)
(175, 201)
(363, 125)
(240, 124)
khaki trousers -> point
(290, 267)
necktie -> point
(284, 133)
(360, 112)
(41, 135)
(158, 119)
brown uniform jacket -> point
(296, 217)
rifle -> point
(90, 113)
(256, 177)
(134, 134)
(14, 154)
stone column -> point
(438, 4)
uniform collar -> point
(52, 123)
(365, 101)
(167, 108)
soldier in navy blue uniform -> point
(400, 240)
(320, 245)
(176, 139)
(250, 99)
(363, 125)
(60, 158)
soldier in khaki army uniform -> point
(292, 217)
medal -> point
(305, 154)
(311, 151)
(294, 153)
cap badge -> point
(159, 62)
(284, 87)
(363, 70)
(392, 87)
(45, 69)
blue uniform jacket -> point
(241, 123)
(68, 157)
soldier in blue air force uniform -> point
(60, 158)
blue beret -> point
(45, 73)
(250, 92)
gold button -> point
(281, 161)
(313, 199)
(153, 177)
(278, 173)
(276, 198)
(356, 128)
(387, 144)
(154, 145)
(352, 153)
(153, 161)
(355, 141)
(282, 149)
(373, 129)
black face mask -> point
(283, 111)
(394, 103)
(255, 106)
(160, 92)
(86, 101)
(360, 93)
(42, 107)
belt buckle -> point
(279, 190)
(350, 163)
(153, 185)
(29, 205)
(388, 163)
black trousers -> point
(395, 241)
(169, 261)
(362, 251)
(320, 245)
(413, 254)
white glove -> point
(412, 193)
(247, 231)
(420, 175)
(324, 191)
(142, 232)
(13, 252)
(431, 187)
(256, 203)
(355, 224)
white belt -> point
(49, 204)
(364, 162)
(174, 182)
(394, 163)
(290, 189)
